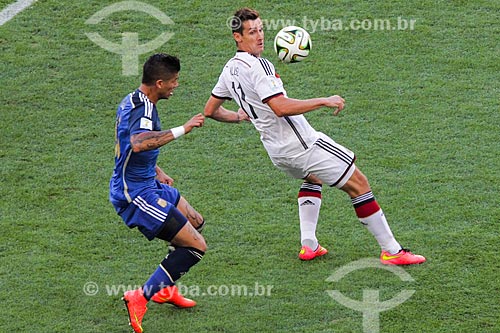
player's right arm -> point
(215, 110)
(150, 140)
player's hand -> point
(196, 121)
(336, 102)
(242, 115)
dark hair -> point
(160, 66)
(242, 15)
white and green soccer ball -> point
(292, 44)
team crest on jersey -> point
(162, 203)
(146, 124)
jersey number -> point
(241, 97)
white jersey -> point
(252, 81)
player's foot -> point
(306, 253)
(403, 257)
(171, 295)
(136, 307)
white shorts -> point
(326, 159)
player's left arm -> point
(283, 106)
(150, 140)
(162, 177)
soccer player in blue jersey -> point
(142, 192)
(293, 145)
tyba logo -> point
(370, 306)
(129, 48)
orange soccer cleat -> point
(403, 257)
(306, 253)
(171, 295)
(136, 307)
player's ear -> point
(237, 37)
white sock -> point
(309, 201)
(372, 217)
(379, 228)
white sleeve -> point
(221, 90)
(266, 82)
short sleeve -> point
(221, 90)
(142, 120)
(266, 81)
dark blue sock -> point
(157, 281)
(174, 265)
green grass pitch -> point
(422, 115)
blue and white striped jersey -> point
(133, 172)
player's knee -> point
(197, 239)
(356, 185)
(364, 183)
(362, 180)
(202, 244)
(189, 237)
(199, 242)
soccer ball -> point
(292, 44)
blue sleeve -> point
(142, 120)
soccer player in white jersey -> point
(292, 144)
(142, 193)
